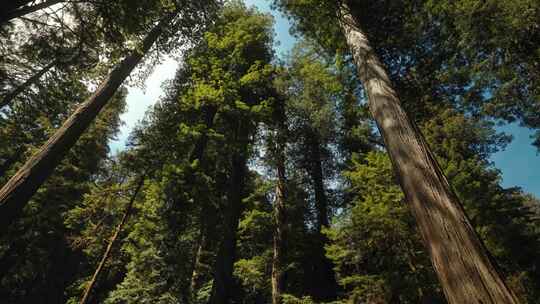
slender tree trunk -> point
(20, 188)
(280, 215)
(19, 9)
(461, 261)
(223, 269)
(108, 251)
(30, 81)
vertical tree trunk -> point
(205, 216)
(223, 269)
(460, 259)
(197, 265)
(203, 257)
(8, 261)
(30, 81)
(117, 232)
(18, 9)
(325, 284)
(280, 215)
(20, 188)
(208, 115)
(280, 226)
(321, 202)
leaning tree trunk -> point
(19, 8)
(20, 188)
(461, 261)
(108, 251)
(280, 215)
(12, 5)
(8, 98)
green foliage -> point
(290, 299)
(454, 65)
(38, 248)
(374, 245)
(148, 277)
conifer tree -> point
(19, 189)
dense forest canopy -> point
(355, 169)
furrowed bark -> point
(461, 261)
(20, 188)
(19, 10)
(108, 251)
(30, 81)
(280, 216)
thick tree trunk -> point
(20, 8)
(8, 261)
(62, 270)
(209, 113)
(280, 226)
(112, 241)
(324, 280)
(321, 202)
(280, 215)
(20, 188)
(223, 269)
(197, 265)
(461, 261)
(30, 81)
(12, 5)
(202, 260)
(205, 216)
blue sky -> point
(518, 162)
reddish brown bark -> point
(20, 188)
(462, 263)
